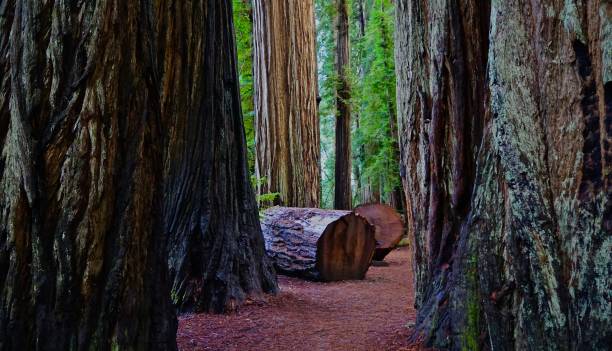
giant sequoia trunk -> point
(286, 108)
(82, 254)
(507, 170)
(217, 255)
(342, 195)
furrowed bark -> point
(84, 112)
(82, 250)
(519, 260)
(287, 122)
(342, 193)
(6, 20)
(216, 249)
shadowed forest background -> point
(305, 174)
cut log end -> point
(388, 227)
(345, 249)
(326, 245)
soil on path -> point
(371, 314)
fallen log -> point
(326, 245)
(388, 224)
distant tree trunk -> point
(507, 171)
(357, 168)
(342, 194)
(396, 197)
(217, 256)
(82, 247)
(359, 152)
(286, 108)
(361, 18)
(371, 191)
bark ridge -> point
(504, 113)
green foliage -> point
(264, 200)
(328, 80)
(374, 142)
(374, 139)
(243, 26)
(372, 73)
(267, 198)
(404, 242)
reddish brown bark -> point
(343, 199)
(121, 132)
(286, 109)
(388, 225)
(82, 247)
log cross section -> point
(388, 224)
(317, 244)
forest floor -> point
(370, 314)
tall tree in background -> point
(376, 159)
(342, 194)
(82, 254)
(287, 121)
(391, 147)
(325, 11)
(243, 26)
(508, 171)
(216, 250)
(374, 150)
(358, 55)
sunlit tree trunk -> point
(342, 193)
(82, 246)
(216, 250)
(286, 108)
(505, 115)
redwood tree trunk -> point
(342, 194)
(361, 182)
(82, 249)
(507, 171)
(286, 109)
(396, 197)
(101, 104)
(6, 21)
(217, 256)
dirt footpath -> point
(371, 314)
